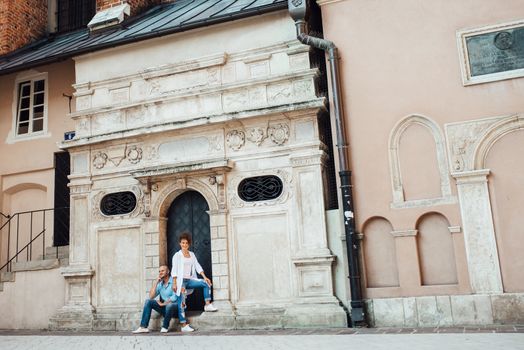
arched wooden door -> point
(188, 212)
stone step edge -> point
(36, 265)
(7, 277)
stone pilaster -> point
(479, 232)
(311, 255)
(77, 313)
(406, 248)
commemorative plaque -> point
(496, 52)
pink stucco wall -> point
(398, 59)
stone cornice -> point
(208, 166)
(183, 93)
(469, 177)
(319, 103)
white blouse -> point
(177, 269)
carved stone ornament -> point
(99, 160)
(256, 135)
(215, 143)
(134, 154)
(279, 133)
(236, 202)
(463, 139)
(235, 139)
(139, 209)
(152, 151)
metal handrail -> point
(13, 220)
(5, 216)
(11, 217)
(9, 262)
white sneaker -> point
(210, 308)
(141, 330)
(163, 330)
(187, 328)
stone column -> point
(479, 232)
(77, 313)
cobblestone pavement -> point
(457, 338)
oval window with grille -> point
(260, 188)
(118, 203)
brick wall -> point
(21, 22)
(137, 6)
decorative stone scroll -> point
(235, 139)
(116, 155)
(469, 142)
(277, 133)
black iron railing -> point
(29, 229)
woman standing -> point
(184, 270)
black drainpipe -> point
(299, 11)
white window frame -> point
(14, 136)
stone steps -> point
(50, 262)
(7, 277)
(55, 253)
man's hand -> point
(164, 303)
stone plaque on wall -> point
(492, 53)
(496, 52)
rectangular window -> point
(75, 14)
(30, 116)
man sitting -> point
(166, 305)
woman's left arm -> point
(201, 272)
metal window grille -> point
(118, 203)
(75, 14)
(260, 188)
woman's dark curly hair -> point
(185, 235)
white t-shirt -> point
(187, 267)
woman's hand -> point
(208, 281)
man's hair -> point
(167, 267)
(185, 235)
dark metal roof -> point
(160, 20)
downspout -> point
(299, 11)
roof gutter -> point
(299, 11)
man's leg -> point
(170, 310)
(149, 305)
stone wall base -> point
(293, 316)
(79, 317)
(447, 310)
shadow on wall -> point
(18, 199)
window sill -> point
(29, 137)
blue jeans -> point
(191, 284)
(167, 312)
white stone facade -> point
(203, 124)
